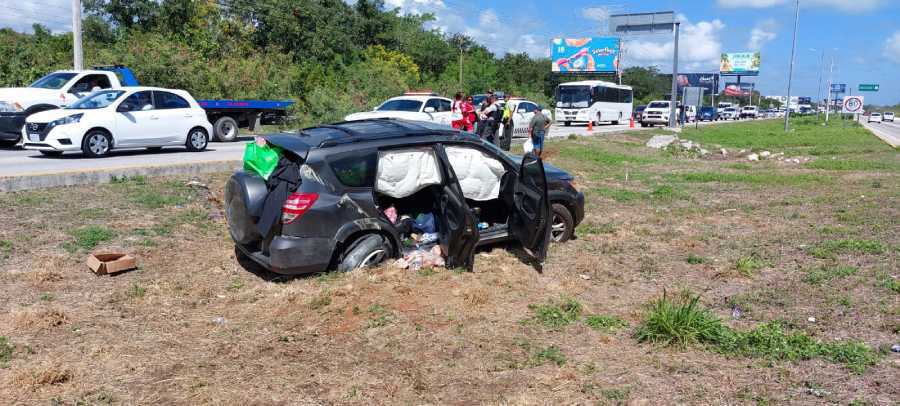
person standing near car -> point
(487, 119)
(537, 128)
(469, 117)
(456, 111)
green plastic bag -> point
(261, 160)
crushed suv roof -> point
(346, 132)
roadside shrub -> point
(679, 322)
(556, 315)
(604, 323)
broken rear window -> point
(356, 169)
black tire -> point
(367, 251)
(197, 140)
(154, 149)
(562, 224)
(96, 143)
(225, 129)
(51, 153)
(644, 125)
(10, 143)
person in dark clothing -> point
(487, 113)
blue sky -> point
(863, 36)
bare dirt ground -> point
(757, 242)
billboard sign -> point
(708, 81)
(738, 89)
(693, 96)
(592, 54)
(853, 105)
(740, 64)
(839, 88)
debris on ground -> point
(421, 258)
(110, 262)
(753, 157)
(895, 348)
(661, 141)
(219, 321)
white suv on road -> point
(888, 116)
(749, 112)
(410, 106)
(132, 117)
(874, 118)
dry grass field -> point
(692, 280)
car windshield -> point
(53, 81)
(658, 105)
(730, 109)
(573, 96)
(400, 105)
(96, 100)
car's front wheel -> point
(197, 140)
(96, 144)
(562, 224)
(366, 252)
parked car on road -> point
(708, 114)
(729, 113)
(749, 112)
(638, 112)
(523, 112)
(354, 182)
(875, 117)
(411, 106)
(888, 116)
(657, 113)
(133, 117)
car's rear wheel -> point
(197, 140)
(562, 224)
(225, 129)
(365, 252)
(96, 144)
(51, 153)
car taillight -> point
(295, 205)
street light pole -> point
(673, 106)
(76, 35)
(819, 88)
(787, 113)
(830, 82)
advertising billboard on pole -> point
(740, 64)
(591, 55)
(738, 89)
(708, 81)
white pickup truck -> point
(49, 92)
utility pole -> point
(460, 69)
(819, 89)
(673, 106)
(787, 113)
(830, 82)
(76, 35)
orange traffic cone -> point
(631, 123)
(590, 126)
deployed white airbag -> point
(479, 174)
(402, 172)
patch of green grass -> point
(851, 165)
(616, 395)
(855, 355)
(235, 285)
(695, 259)
(887, 281)
(549, 354)
(46, 297)
(153, 199)
(595, 155)
(740, 167)
(379, 316)
(619, 195)
(6, 351)
(769, 340)
(605, 323)
(823, 274)
(86, 238)
(426, 271)
(6, 248)
(136, 291)
(760, 178)
(556, 315)
(748, 264)
(678, 322)
(665, 192)
(586, 229)
(831, 248)
(136, 180)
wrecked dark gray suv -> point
(338, 195)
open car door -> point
(529, 218)
(458, 231)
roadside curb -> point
(887, 138)
(106, 175)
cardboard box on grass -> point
(105, 263)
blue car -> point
(708, 114)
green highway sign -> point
(868, 88)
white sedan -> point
(134, 117)
(523, 112)
(411, 106)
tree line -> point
(331, 57)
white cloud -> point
(842, 5)
(892, 48)
(600, 14)
(53, 14)
(699, 47)
(764, 31)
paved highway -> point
(18, 162)
(889, 131)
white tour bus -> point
(593, 100)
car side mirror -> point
(124, 108)
(429, 110)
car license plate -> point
(34, 137)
